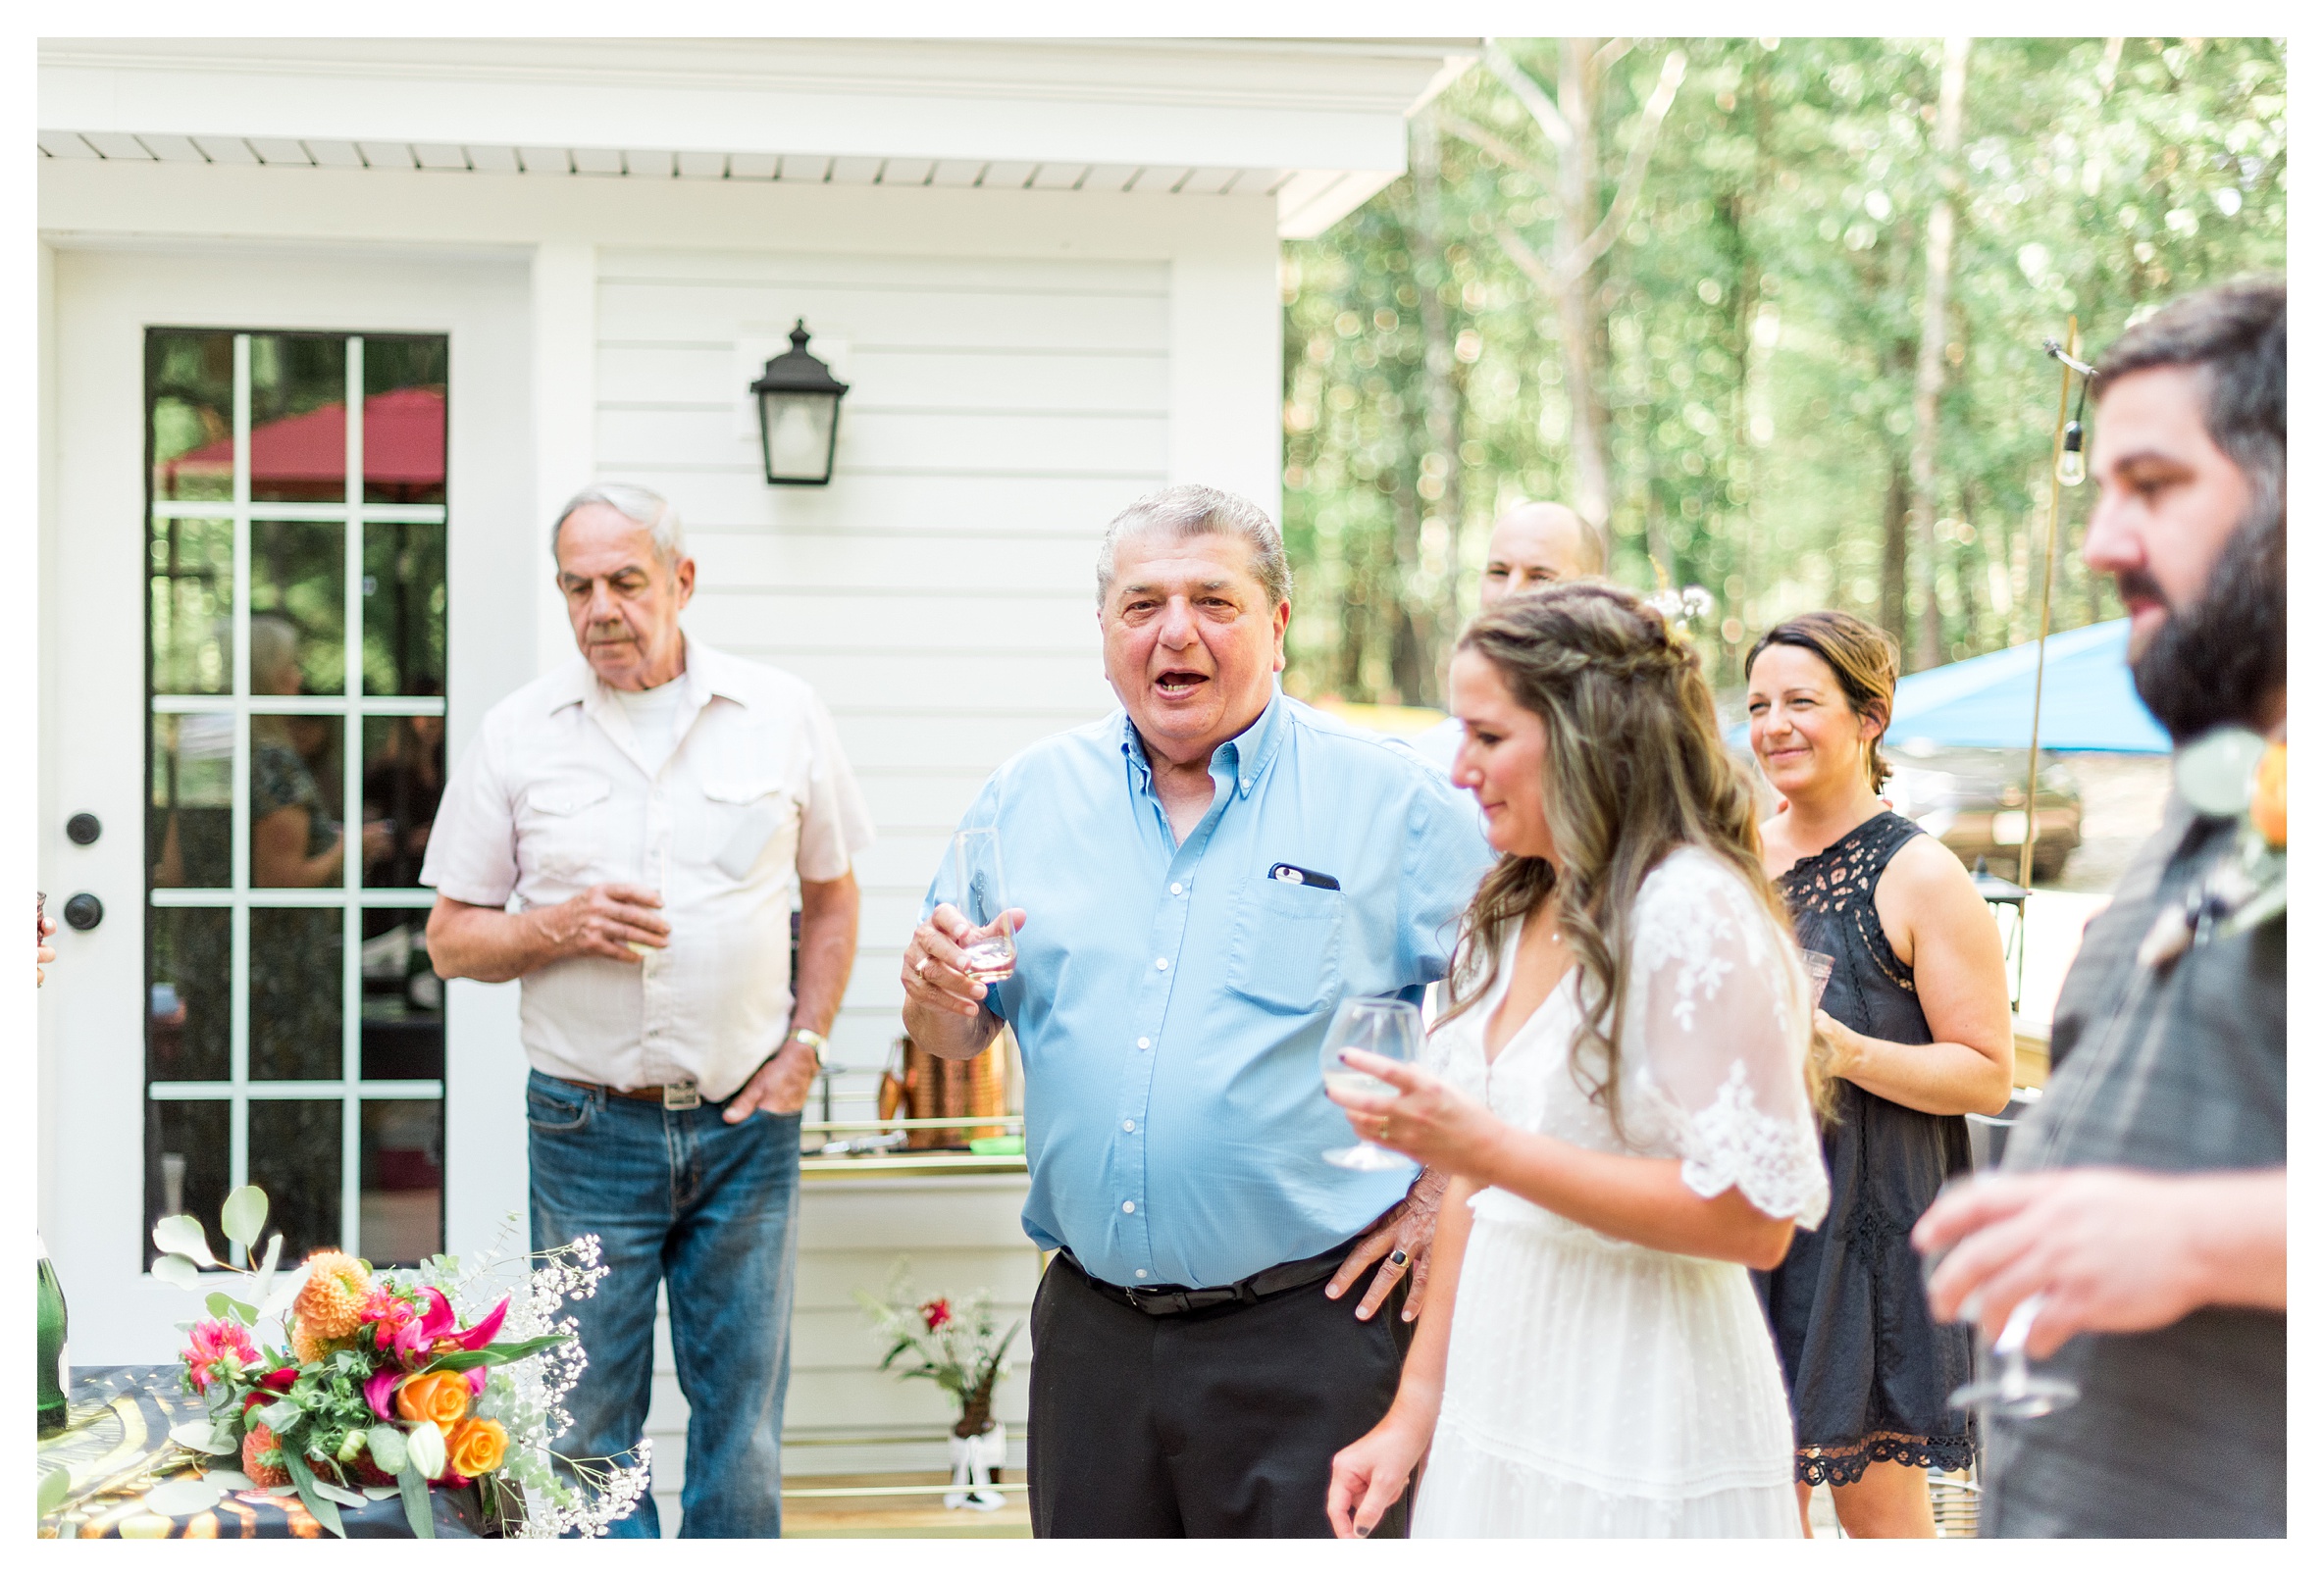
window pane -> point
(403, 389)
(295, 1155)
(402, 1180)
(190, 604)
(298, 418)
(188, 1161)
(295, 1000)
(298, 608)
(190, 405)
(402, 998)
(403, 603)
(189, 813)
(402, 785)
(296, 794)
(190, 955)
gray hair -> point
(642, 505)
(1198, 511)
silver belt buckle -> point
(681, 1096)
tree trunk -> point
(1577, 318)
(1895, 548)
(1443, 396)
(1928, 648)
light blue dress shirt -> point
(1170, 999)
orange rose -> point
(476, 1447)
(440, 1398)
(2270, 808)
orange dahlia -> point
(259, 1438)
(309, 1347)
(329, 1305)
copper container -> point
(919, 1086)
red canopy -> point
(402, 448)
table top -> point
(116, 1446)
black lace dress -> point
(1868, 1369)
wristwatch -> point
(811, 1039)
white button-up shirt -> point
(555, 796)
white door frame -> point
(93, 703)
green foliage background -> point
(1758, 318)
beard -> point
(2222, 659)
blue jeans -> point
(683, 1195)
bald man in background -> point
(1534, 545)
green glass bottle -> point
(55, 1382)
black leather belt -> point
(1163, 1300)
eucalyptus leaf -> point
(227, 1478)
(286, 1291)
(244, 1214)
(183, 1235)
(56, 1484)
(375, 1493)
(386, 1448)
(265, 1282)
(183, 1496)
(332, 1491)
(218, 1304)
(283, 1415)
(302, 1478)
(179, 1271)
(417, 1509)
(203, 1437)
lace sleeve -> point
(1718, 1029)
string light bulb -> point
(2072, 468)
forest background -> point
(1770, 310)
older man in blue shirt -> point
(1203, 875)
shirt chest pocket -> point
(749, 826)
(565, 825)
(1284, 951)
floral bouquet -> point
(952, 1343)
(386, 1381)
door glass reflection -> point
(403, 609)
(296, 793)
(188, 996)
(187, 1157)
(190, 403)
(403, 397)
(295, 985)
(189, 605)
(189, 810)
(402, 1180)
(402, 998)
(298, 598)
(402, 785)
(298, 418)
(295, 1155)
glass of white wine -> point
(983, 898)
(1385, 1027)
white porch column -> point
(564, 412)
(1226, 352)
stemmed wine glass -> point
(984, 902)
(1385, 1027)
(2016, 1391)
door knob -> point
(85, 829)
(83, 912)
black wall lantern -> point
(798, 415)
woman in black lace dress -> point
(1917, 1019)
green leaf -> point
(55, 1484)
(302, 1478)
(179, 1271)
(244, 1214)
(285, 1288)
(183, 1235)
(218, 1304)
(416, 1508)
(265, 1283)
(204, 1437)
(452, 1362)
(183, 1496)
(386, 1448)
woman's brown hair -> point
(1632, 769)
(1862, 656)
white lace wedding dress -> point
(1595, 1388)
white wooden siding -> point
(939, 596)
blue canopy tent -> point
(2087, 702)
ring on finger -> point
(1399, 1258)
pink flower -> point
(379, 1390)
(218, 1349)
(480, 1335)
(937, 1312)
(414, 1337)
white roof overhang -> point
(1318, 125)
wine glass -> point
(1385, 1027)
(2017, 1392)
(983, 898)
(1818, 966)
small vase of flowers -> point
(950, 1340)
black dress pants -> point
(1219, 1423)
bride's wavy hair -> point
(1632, 769)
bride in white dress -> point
(1593, 1362)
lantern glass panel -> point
(797, 432)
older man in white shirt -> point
(652, 807)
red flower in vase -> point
(936, 1314)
